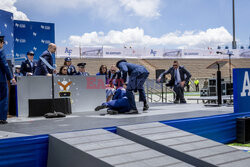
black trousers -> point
(179, 91)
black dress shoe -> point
(100, 107)
(176, 102)
(3, 122)
(132, 112)
(112, 112)
(145, 107)
(183, 102)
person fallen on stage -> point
(179, 79)
(118, 105)
(137, 77)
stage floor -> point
(92, 119)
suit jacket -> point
(129, 68)
(42, 68)
(26, 67)
(5, 73)
(184, 74)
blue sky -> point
(139, 23)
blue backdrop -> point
(29, 35)
(6, 29)
(241, 77)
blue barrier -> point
(241, 88)
(30, 151)
(220, 128)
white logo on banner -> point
(246, 85)
(5, 25)
(34, 48)
(68, 51)
(45, 27)
(34, 34)
(45, 41)
(20, 40)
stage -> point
(91, 119)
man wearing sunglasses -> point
(179, 79)
(5, 75)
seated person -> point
(81, 69)
(71, 68)
(103, 71)
(112, 77)
(28, 66)
(119, 104)
(17, 71)
(63, 70)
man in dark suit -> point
(179, 78)
(5, 75)
(28, 66)
(137, 77)
(45, 61)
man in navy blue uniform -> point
(71, 68)
(119, 103)
(5, 75)
(45, 61)
(81, 69)
(137, 77)
(179, 78)
(28, 66)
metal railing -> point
(157, 92)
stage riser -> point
(187, 147)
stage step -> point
(184, 146)
(101, 148)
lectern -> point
(217, 65)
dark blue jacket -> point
(184, 74)
(71, 70)
(26, 67)
(41, 68)
(129, 68)
(5, 73)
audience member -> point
(179, 78)
(71, 68)
(63, 70)
(81, 69)
(45, 61)
(28, 66)
(18, 71)
(103, 70)
(5, 75)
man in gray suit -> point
(179, 79)
(5, 75)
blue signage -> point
(35, 36)
(241, 88)
(6, 29)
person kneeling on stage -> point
(118, 105)
(137, 76)
(179, 78)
